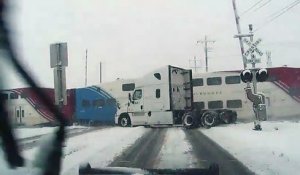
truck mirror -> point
(129, 98)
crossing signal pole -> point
(206, 50)
(85, 82)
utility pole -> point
(206, 50)
(269, 61)
(237, 21)
(195, 64)
(86, 52)
(100, 72)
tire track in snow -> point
(207, 152)
(144, 152)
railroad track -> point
(31, 142)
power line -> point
(246, 11)
(287, 8)
(283, 9)
(264, 4)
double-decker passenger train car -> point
(84, 105)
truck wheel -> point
(124, 121)
(187, 120)
(209, 119)
(225, 117)
(233, 117)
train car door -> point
(19, 115)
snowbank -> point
(274, 150)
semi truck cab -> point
(159, 98)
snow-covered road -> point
(274, 150)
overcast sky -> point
(133, 37)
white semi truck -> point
(165, 97)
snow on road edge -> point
(274, 150)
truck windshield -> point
(153, 84)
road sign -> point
(250, 61)
(252, 47)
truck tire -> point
(225, 117)
(233, 117)
(124, 121)
(209, 119)
(187, 120)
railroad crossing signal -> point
(252, 47)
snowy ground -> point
(274, 150)
(99, 147)
(176, 152)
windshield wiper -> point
(50, 161)
(85, 169)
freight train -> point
(84, 105)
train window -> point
(158, 76)
(85, 103)
(215, 104)
(111, 101)
(234, 103)
(23, 95)
(98, 103)
(272, 78)
(4, 96)
(214, 81)
(233, 80)
(157, 93)
(294, 91)
(197, 82)
(128, 87)
(13, 96)
(137, 94)
(199, 105)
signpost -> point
(59, 61)
(259, 106)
